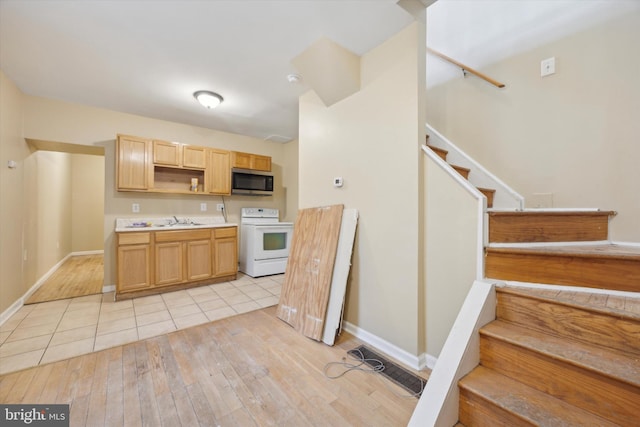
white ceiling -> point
(148, 57)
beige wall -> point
(12, 194)
(290, 178)
(573, 134)
(87, 202)
(52, 209)
(372, 140)
(453, 229)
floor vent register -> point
(405, 379)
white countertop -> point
(169, 223)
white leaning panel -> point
(341, 267)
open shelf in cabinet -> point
(177, 180)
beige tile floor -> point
(56, 330)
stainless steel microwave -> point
(252, 183)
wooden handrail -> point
(465, 69)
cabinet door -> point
(240, 160)
(133, 163)
(261, 163)
(166, 153)
(226, 251)
(194, 157)
(199, 260)
(219, 179)
(169, 262)
(134, 263)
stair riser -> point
(604, 273)
(462, 171)
(606, 397)
(576, 323)
(478, 412)
(440, 152)
(489, 194)
(523, 227)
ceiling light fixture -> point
(208, 99)
(294, 78)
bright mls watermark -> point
(34, 415)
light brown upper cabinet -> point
(219, 170)
(179, 155)
(250, 161)
(133, 163)
(194, 157)
(153, 165)
(167, 153)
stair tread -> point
(526, 402)
(438, 149)
(541, 212)
(616, 365)
(592, 322)
(608, 250)
(457, 167)
(613, 305)
(489, 190)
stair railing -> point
(465, 69)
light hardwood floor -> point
(250, 369)
(78, 276)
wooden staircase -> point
(557, 357)
(488, 192)
(553, 359)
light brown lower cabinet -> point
(225, 251)
(176, 257)
(134, 261)
(168, 262)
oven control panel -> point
(260, 213)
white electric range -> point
(264, 242)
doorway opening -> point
(65, 227)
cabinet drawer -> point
(224, 232)
(133, 238)
(182, 235)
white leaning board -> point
(341, 267)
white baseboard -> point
(96, 252)
(108, 288)
(11, 310)
(404, 357)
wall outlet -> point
(135, 207)
(203, 207)
(220, 207)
